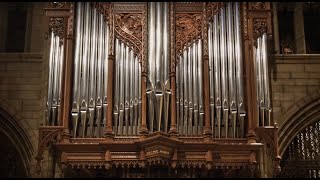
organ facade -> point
(160, 89)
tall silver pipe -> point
(211, 73)
(158, 84)
(231, 71)
(200, 71)
(92, 72)
(185, 93)
(99, 68)
(121, 85)
(260, 83)
(238, 57)
(126, 90)
(77, 68)
(195, 89)
(132, 91)
(181, 88)
(256, 72)
(165, 57)
(55, 82)
(190, 78)
(178, 97)
(224, 85)
(266, 79)
(85, 70)
(159, 25)
(136, 96)
(217, 73)
(50, 79)
(105, 76)
(151, 41)
(60, 81)
(139, 92)
(117, 86)
(165, 40)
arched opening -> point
(16, 149)
(301, 158)
(11, 161)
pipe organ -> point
(157, 84)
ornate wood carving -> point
(245, 19)
(205, 25)
(47, 136)
(194, 7)
(258, 5)
(172, 39)
(259, 27)
(188, 29)
(70, 21)
(58, 4)
(103, 8)
(213, 8)
(57, 26)
(125, 7)
(144, 39)
(128, 28)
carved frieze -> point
(188, 29)
(57, 26)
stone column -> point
(299, 36)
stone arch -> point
(18, 132)
(298, 117)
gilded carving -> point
(58, 4)
(57, 26)
(259, 27)
(258, 5)
(128, 28)
(188, 29)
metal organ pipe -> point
(190, 102)
(225, 59)
(90, 72)
(261, 69)
(54, 81)
(158, 85)
(238, 58)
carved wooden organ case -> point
(177, 85)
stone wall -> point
(20, 92)
(293, 77)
